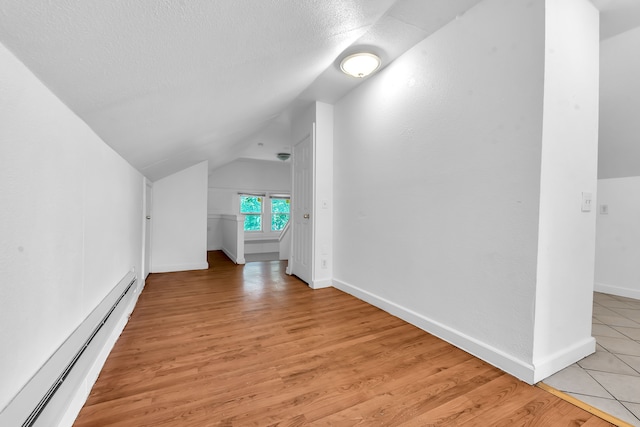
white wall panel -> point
(618, 233)
(70, 223)
(179, 221)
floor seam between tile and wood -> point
(609, 379)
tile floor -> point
(609, 379)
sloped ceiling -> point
(617, 16)
(169, 83)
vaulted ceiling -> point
(617, 16)
(169, 83)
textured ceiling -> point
(169, 83)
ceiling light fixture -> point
(283, 156)
(360, 65)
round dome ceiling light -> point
(283, 156)
(360, 65)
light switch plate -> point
(586, 202)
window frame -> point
(272, 213)
(253, 213)
(267, 213)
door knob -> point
(305, 216)
(148, 217)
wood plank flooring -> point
(251, 346)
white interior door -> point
(147, 229)
(302, 208)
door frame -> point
(290, 266)
(147, 224)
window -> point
(280, 210)
(254, 206)
(251, 207)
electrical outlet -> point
(323, 263)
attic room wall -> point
(566, 242)
(241, 175)
(618, 232)
(179, 221)
(70, 223)
(437, 183)
(618, 236)
(619, 105)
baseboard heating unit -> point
(56, 393)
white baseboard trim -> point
(82, 393)
(492, 355)
(319, 284)
(66, 403)
(616, 290)
(170, 268)
(229, 255)
(289, 269)
(564, 358)
(233, 257)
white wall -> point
(619, 105)
(179, 221)
(214, 232)
(566, 245)
(70, 223)
(323, 193)
(247, 174)
(618, 233)
(437, 174)
(437, 184)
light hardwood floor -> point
(249, 345)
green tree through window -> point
(280, 211)
(251, 207)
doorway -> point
(148, 197)
(302, 209)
